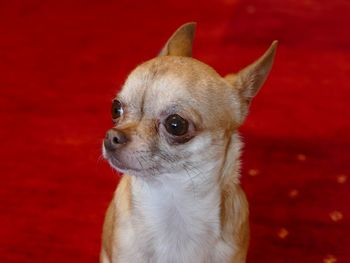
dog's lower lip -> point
(121, 166)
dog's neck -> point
(184, 209)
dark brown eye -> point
(176, 125)
(117, 109)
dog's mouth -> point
(120, 166)
(133, 165)
(113, 161)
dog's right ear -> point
(180, 43)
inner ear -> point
(249, 80)
(180, 43)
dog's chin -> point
(126, 169)
(121, 167)
(114, 162)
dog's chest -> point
(176, 226)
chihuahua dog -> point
(175, 140)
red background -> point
(61, 63)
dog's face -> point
(177, 114)
(171, 112)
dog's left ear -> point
(249, 80)
(180, 43)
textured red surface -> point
(62, 61)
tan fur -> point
(180, 43)
(217, 107)
(120, 204)
(234, 219)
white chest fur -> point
(173, 222)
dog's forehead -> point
(165, 80)
(167, 85)
(156, 77)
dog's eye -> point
(176, 125)
(117, 109)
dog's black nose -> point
(114, 139)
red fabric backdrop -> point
(61, 62)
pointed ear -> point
(180, 43)
(249, 80)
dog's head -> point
(175, 113)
